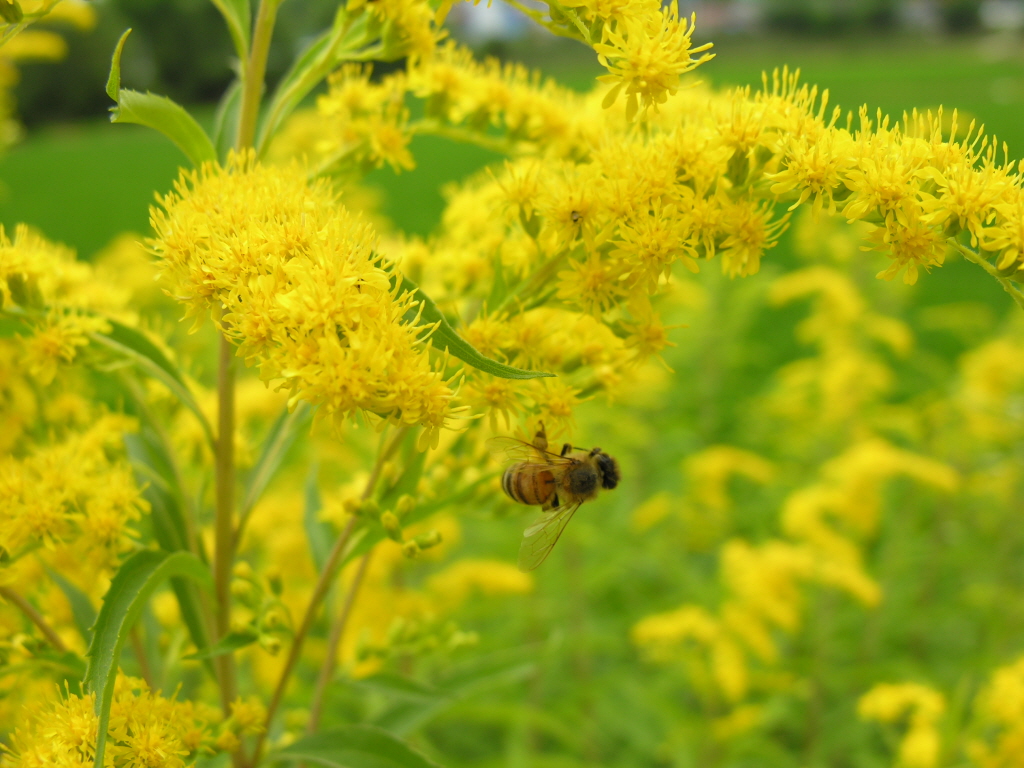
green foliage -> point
(159, 113)
(352, 747)
(135, 347)
(130, 588)
(445, 337)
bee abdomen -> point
(528, 486)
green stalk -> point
(319, 592)
(253, 73)
(333, 641)
(224, 532)
(1008, 285)
(35, 617)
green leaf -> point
(483, 674)
(129, 590)
(275, 447)
(146, 355)
(238, 16)
(491, 671)
(407, 481)
(320, 57)
(225, 122)
(114, 80)
(81, 608)
(165, 513)
(11, 325)
(353, 746)
(375, 532)
(230, 643)
(445, 337)
(169, 118)
(158, 112)
(159, 489)
(499, 290)
(318, 533)
(154, 467)
(398, 687)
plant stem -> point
(337, 631)
(254, 71)
(319, 592)
(224, 523)
(140, 656)
(1007, 284)
(35, 617)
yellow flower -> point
(145, 730)
(56, 340)
(593, 284)
(490, 577)
(645, 53)
(305, 295)
(910, 242)
(923, 706)
(749, 232)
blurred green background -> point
(82, 181)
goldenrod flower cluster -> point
(1000, 707)
(70, 493)
(594, 211)
(825, 524)
(145, 729)
(565, 260)
(297, 283)
(56, 296)
(921, 706)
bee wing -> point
(540, 538)
(519, 450)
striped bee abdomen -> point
(527, 484)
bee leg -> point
(552, 503)
(540, 440)
(566, 448)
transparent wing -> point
(540, 538)
(515, 449)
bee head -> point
(609, 469)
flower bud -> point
(369, 508)
(410, 549)
(392, 526)
(275, 618)
(271, 644)
(241, 589)
(10, 11)
(242, 570)
(428, 539)
(404, 506)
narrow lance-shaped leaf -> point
(129, 590)
(275, 447)
(349, 32)
(154, 465)
(230, 643)
(238, 16)
(146, 355)
(157, 112)
(318, 533)
(445, 337)
(353, 746)
(82, 611)
(225, 121)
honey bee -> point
(558, 483)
